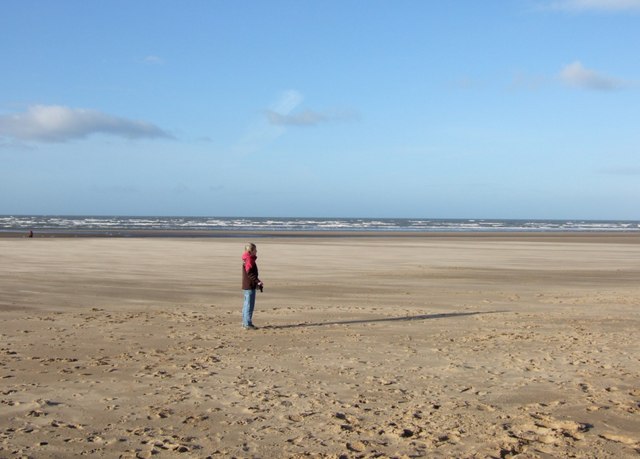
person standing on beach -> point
(250, 282)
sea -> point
(227, 226)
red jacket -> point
(250, 278)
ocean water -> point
(210, 225)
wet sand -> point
(492, 345)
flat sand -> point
(468, 346)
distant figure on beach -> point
(250, 282)
(30, 233)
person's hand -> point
(261, 286)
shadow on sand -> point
(386, 319)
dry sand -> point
(369, 347)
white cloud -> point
(54, 123)
(575, 74)
(262, 132)
(154, 60)
(595, 5)
(287, 102)
(280, 114)
(306, 118)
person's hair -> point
(249, 247)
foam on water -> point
(71, 224)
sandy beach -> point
(483, 346)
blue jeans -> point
(247, 308)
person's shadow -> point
(372, 321)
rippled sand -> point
(467, 346)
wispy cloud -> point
(577, 75)
(261, 132)
(594, 5)
(574, 75)
(281, 113)
(280, 116)
(306, 118)
(153, 60)
(54, 123)
(287, 102)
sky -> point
(327, 108)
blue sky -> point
(451, 109)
